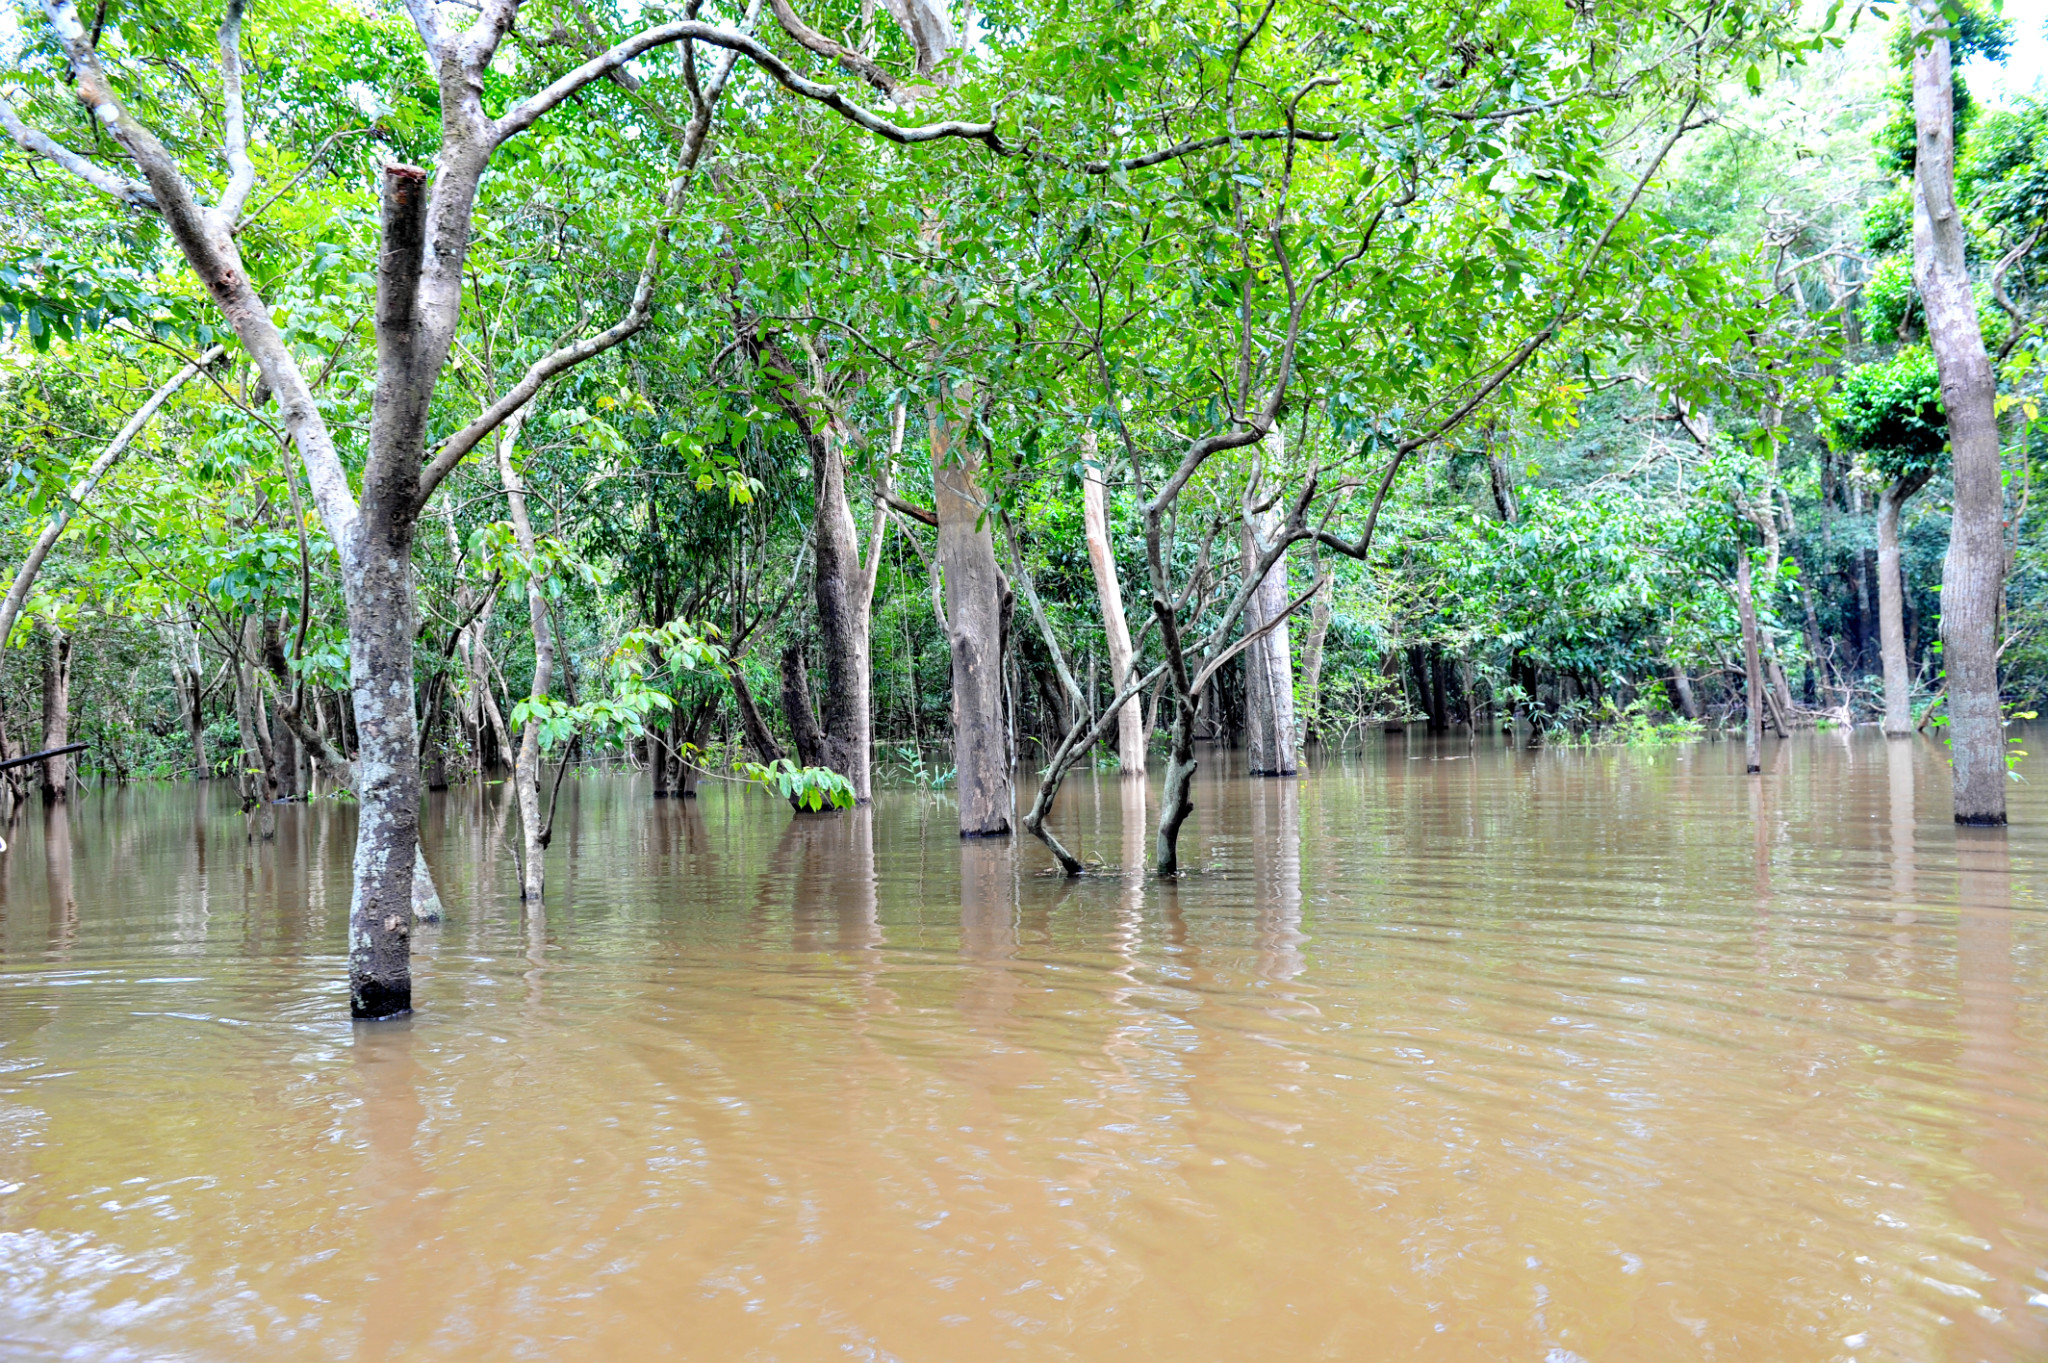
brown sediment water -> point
(1443, 1051)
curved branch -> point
(25, 576)
(38, 143)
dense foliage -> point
(1557, 310)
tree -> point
(1891, 414)
(1973, 578)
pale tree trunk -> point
(1682, 696)
(1130, 720)
(188, 676)
(1891, 611)
(1973, 576)
(1752, 668)
(974, 622)
(527, 767)
(1269, 662)
(56, 714)
(1308, 722)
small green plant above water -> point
(1634, 725)
(910, 768)
(811, 788)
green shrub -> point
(1891, 414)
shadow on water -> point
(1449, 1049)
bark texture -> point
(975, 624)
(1308, 718)
(1973, 576)
(1891, 612)
(56, 771)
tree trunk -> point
(1176, 796)
(841, 587)
(1752, 668)
(1269, 662)
(1682, 698)
(797, 709)
(847, 731)
(758, 735)
(189, 674)
(526, 768)
(1130, 721)
(255, 773)
(377, 575)
(56, 714)
(1503, 484)
(1866, 611)
(1308, 723)
(1898, 681)
(662, 741)
(974, 623)
(1973, 575)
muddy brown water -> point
(1444, 1052)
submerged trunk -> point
(526, 768)
(1891, 586)
(1973, 576)
(843, 608)
(1176, 796)
(1130, 722)
(1752, 669)
(56, 715)
(797, 708)
(377, 572)
(974, 621)
(192, 690)
(1269, 662)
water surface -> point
(1443, 1052)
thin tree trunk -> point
(797, 709)
(1503, 483)
(1973, 576)
(1269, 662)
(187, 673)
(1308, 722)
(258, 766)
(1752, 668)
(975, 623)
(1898, 681)
(1176, 796)
(526, 769)
(1683, 699)
(1130, 722)
(56, 714)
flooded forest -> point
(958, 680)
